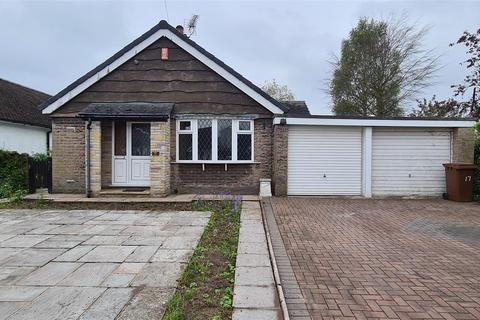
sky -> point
(46, 45)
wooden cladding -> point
(181, 79)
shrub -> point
(41, 156)
(13, 174)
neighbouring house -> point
(165, 114)
(23, 127)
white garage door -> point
(409, 161)
(324, 160)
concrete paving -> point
(93, 264)
(255, 295)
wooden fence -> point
(39, 174)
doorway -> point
(131, 154)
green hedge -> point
(13, 173)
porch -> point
(127, 150)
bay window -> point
(215, 141)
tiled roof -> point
(20, 104)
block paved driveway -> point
(383, 259)
(92, 264)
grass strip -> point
(205, 289)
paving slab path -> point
(93, 264)
(255, 294)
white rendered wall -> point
(23, 138)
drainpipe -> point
(88, 190)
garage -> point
(369, 157)
(324, 160)
(408, 161)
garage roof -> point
(329, 120)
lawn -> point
(205, 289)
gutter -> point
(88, 190)
(19, 123)
(133, 117)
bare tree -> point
(382, 66)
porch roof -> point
(127, 111)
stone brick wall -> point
(95, 157)
(68, 155)
(280, 160)
(160, 161)
(106, 153)
(463, 144)
(236, 179)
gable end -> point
(163, 29)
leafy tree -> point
(381, 66)
(278, 91)
(452, 107)
(434, 108)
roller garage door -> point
(324, 160)
(407, 161)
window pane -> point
(184, 147)
(140, 139)
(185, 125)
(244, 147)
(244, 125)
(224, 128)
(204, 139)
(120, 138)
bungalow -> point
(23, 127)
(166, 115)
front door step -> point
(125, 192)
(134, 189)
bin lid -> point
(460, 165)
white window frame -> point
(194, 132)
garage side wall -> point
(280, 160)
(463, 145)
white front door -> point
(131, 154)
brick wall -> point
(68, 151)
(280, 160)
(95, 157)
(238, 178)
(106, 153)
(160, 161)
(463, 144)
